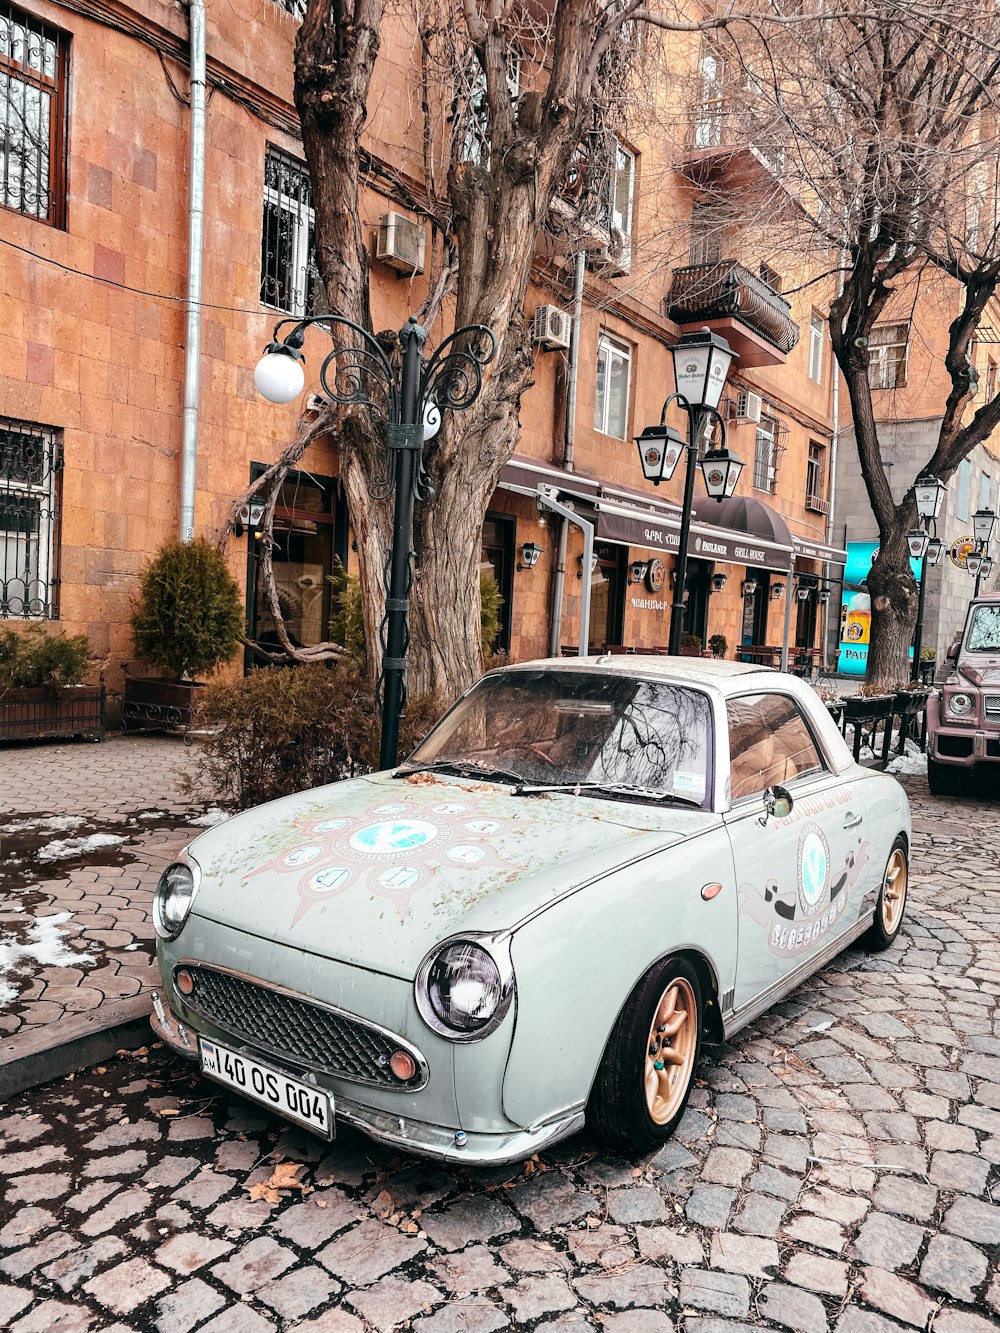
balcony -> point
(756, 322)
(721, 150)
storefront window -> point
(607, 598)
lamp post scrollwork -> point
(407, 404)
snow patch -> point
(60, 850)
(45, 945)
(210, 818)
(50, 824)
(913, 763)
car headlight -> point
(464, 988)
(173, 898)
(960, 704)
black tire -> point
(887, 923)
(618, 1113)
(945, 779)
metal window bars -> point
(288, 275)
(31, 461)
(33, 69)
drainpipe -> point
(569, 439)
(196, 230)
(834, 440)
(545, 498)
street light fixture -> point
(701, 364)
(974, 563)
(983, 523)
(917, 540)
(928, 493)
(934, 546)
(407, 403)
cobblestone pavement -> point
(837, 1171)
(84, 832)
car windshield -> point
(613, 734)
(984, 630)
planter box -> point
(159, 705)
(65, 711)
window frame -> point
(825, 768)
(963, 491)
(303, 217)
(817, 329)
(505, 548)
(815, 471)
(47, 494)
(878, 355)
(56, 89)
(770, 484)
(608, 344)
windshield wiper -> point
(611, 789)
(464, 768)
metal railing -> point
(728, 289)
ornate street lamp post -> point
(928, 494)
(701, 364)
(408, 404)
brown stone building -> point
(113, 422)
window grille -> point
(476, 139)
(599, 187)
(31, 462)
(289, 279)
(887, 356)
(33, 70)
(772, 438)
(297, 8)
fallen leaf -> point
(168, 1111)
(285, 1176)
(382, 1204)
(320, 1203)
(412, 1228)
(264, 1191)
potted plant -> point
(187, 621)
(719, 645)
(692, 645)
(41, 686)
(928, 665)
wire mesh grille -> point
(288, 275)
(31, 462)
(287, 1026)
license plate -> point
(301, 1102)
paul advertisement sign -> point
(856, 608)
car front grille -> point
(991, 706)
(298, 1029)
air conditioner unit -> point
(551, 327)
(399, 242)
(748, 406)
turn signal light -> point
(184, 981)
(402, 1065)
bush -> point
(719, 645)
(285, 729)
(692, 641)
(33, 657)
(347, 623)
(490, 603)
(189, 617)
(928, 655)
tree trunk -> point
(894, 594)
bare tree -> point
(883, 117)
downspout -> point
(834, 440)
(545, 498)
(196, 232)
(569, 439)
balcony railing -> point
(727, 290)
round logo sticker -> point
(392, 837)
(301, 856)
(330, 825)
(483, 826)
(814, 868)
(398, 878)
(329, 880)
(466, 855)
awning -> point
(739, 531)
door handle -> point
(852, 820)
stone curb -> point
(78, 1040)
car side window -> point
(769, 744)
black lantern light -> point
(660, 448)
(933, 550)
(928, 493)
(983, 523)
(701, 364)
(974, 563)
(917, 541)
(530, 555)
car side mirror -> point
(777, 802)
(952, 653)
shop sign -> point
(961, 550)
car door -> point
(795, 874)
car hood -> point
(375, 871)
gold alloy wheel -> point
(670, 1050)
(894, 891)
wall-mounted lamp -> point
(748, 587)
(637, 570)
(530, 553)
(719, 582)
(593, 564)
(803, 594)
(824, 595)
(777, 592)
(249, 517)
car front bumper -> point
(963, 746)
(444, 1143)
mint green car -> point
(588, 868)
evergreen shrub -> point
(189, 617)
